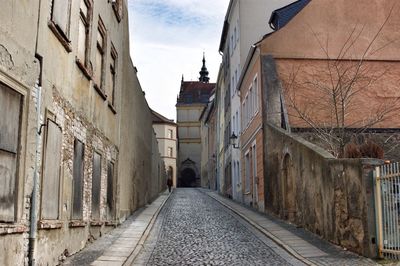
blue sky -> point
(167, 39)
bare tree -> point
(326, 96)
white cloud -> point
(168, 38)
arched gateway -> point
(189, 174)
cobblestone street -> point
(194, 229)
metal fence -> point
(387, 203)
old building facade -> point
(166, 132)
(193, 97)
(69, 149)
(240, 31)
(209, 145)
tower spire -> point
(204, 72)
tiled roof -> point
(195, 92)
(282, 16)
(160, 119)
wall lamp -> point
(233, 140)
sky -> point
(167, 40)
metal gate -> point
(387, 210)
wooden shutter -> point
(10, 113)
(77, 180)
(110, 189)
(51, 173)
(96, 186)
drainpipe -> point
(33, 208)
(33, 217)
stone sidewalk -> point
(122, 244)
(305, 246)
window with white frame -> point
(256, 94)
(170, 133)
(170, 152)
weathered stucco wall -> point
(307, 186)
(121, 134)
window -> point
(233, 86)
(51, 173)
(170, 134)
(255, 86)
(244, 115)
(10, 112)
(117, 7)
(100, 44)
(60, 21)
(254, 163)
(237, 122)
(170, 152)
(110, 190)
(235, 36)
(96, 186)
(247, 172)
(251, 105)
(83, 37)
(77, 183)
(113, 81)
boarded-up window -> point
(113, 65)
(51, 172)
(101, 35)
(110, 189)
(77, 180)
(96, 186)
(61, 15)
(85, 12)
(10, 112)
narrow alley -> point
(194, 229)
(193, 226)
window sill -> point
(100, 91)
(112, 108)
(60, 36)
(96, 223)
(50, 224)
(87, 73)
(6, 229)
(77, 223)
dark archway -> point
(188, 178)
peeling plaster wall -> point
(330, 197)
(124, 137)
(19, 70)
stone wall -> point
(307, 186)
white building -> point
(246, 22)
(166, 134)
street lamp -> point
(233, 140)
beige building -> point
(165, 130)
(73, 165)
(193, 97)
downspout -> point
(34, 195)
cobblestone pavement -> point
(194, 229)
